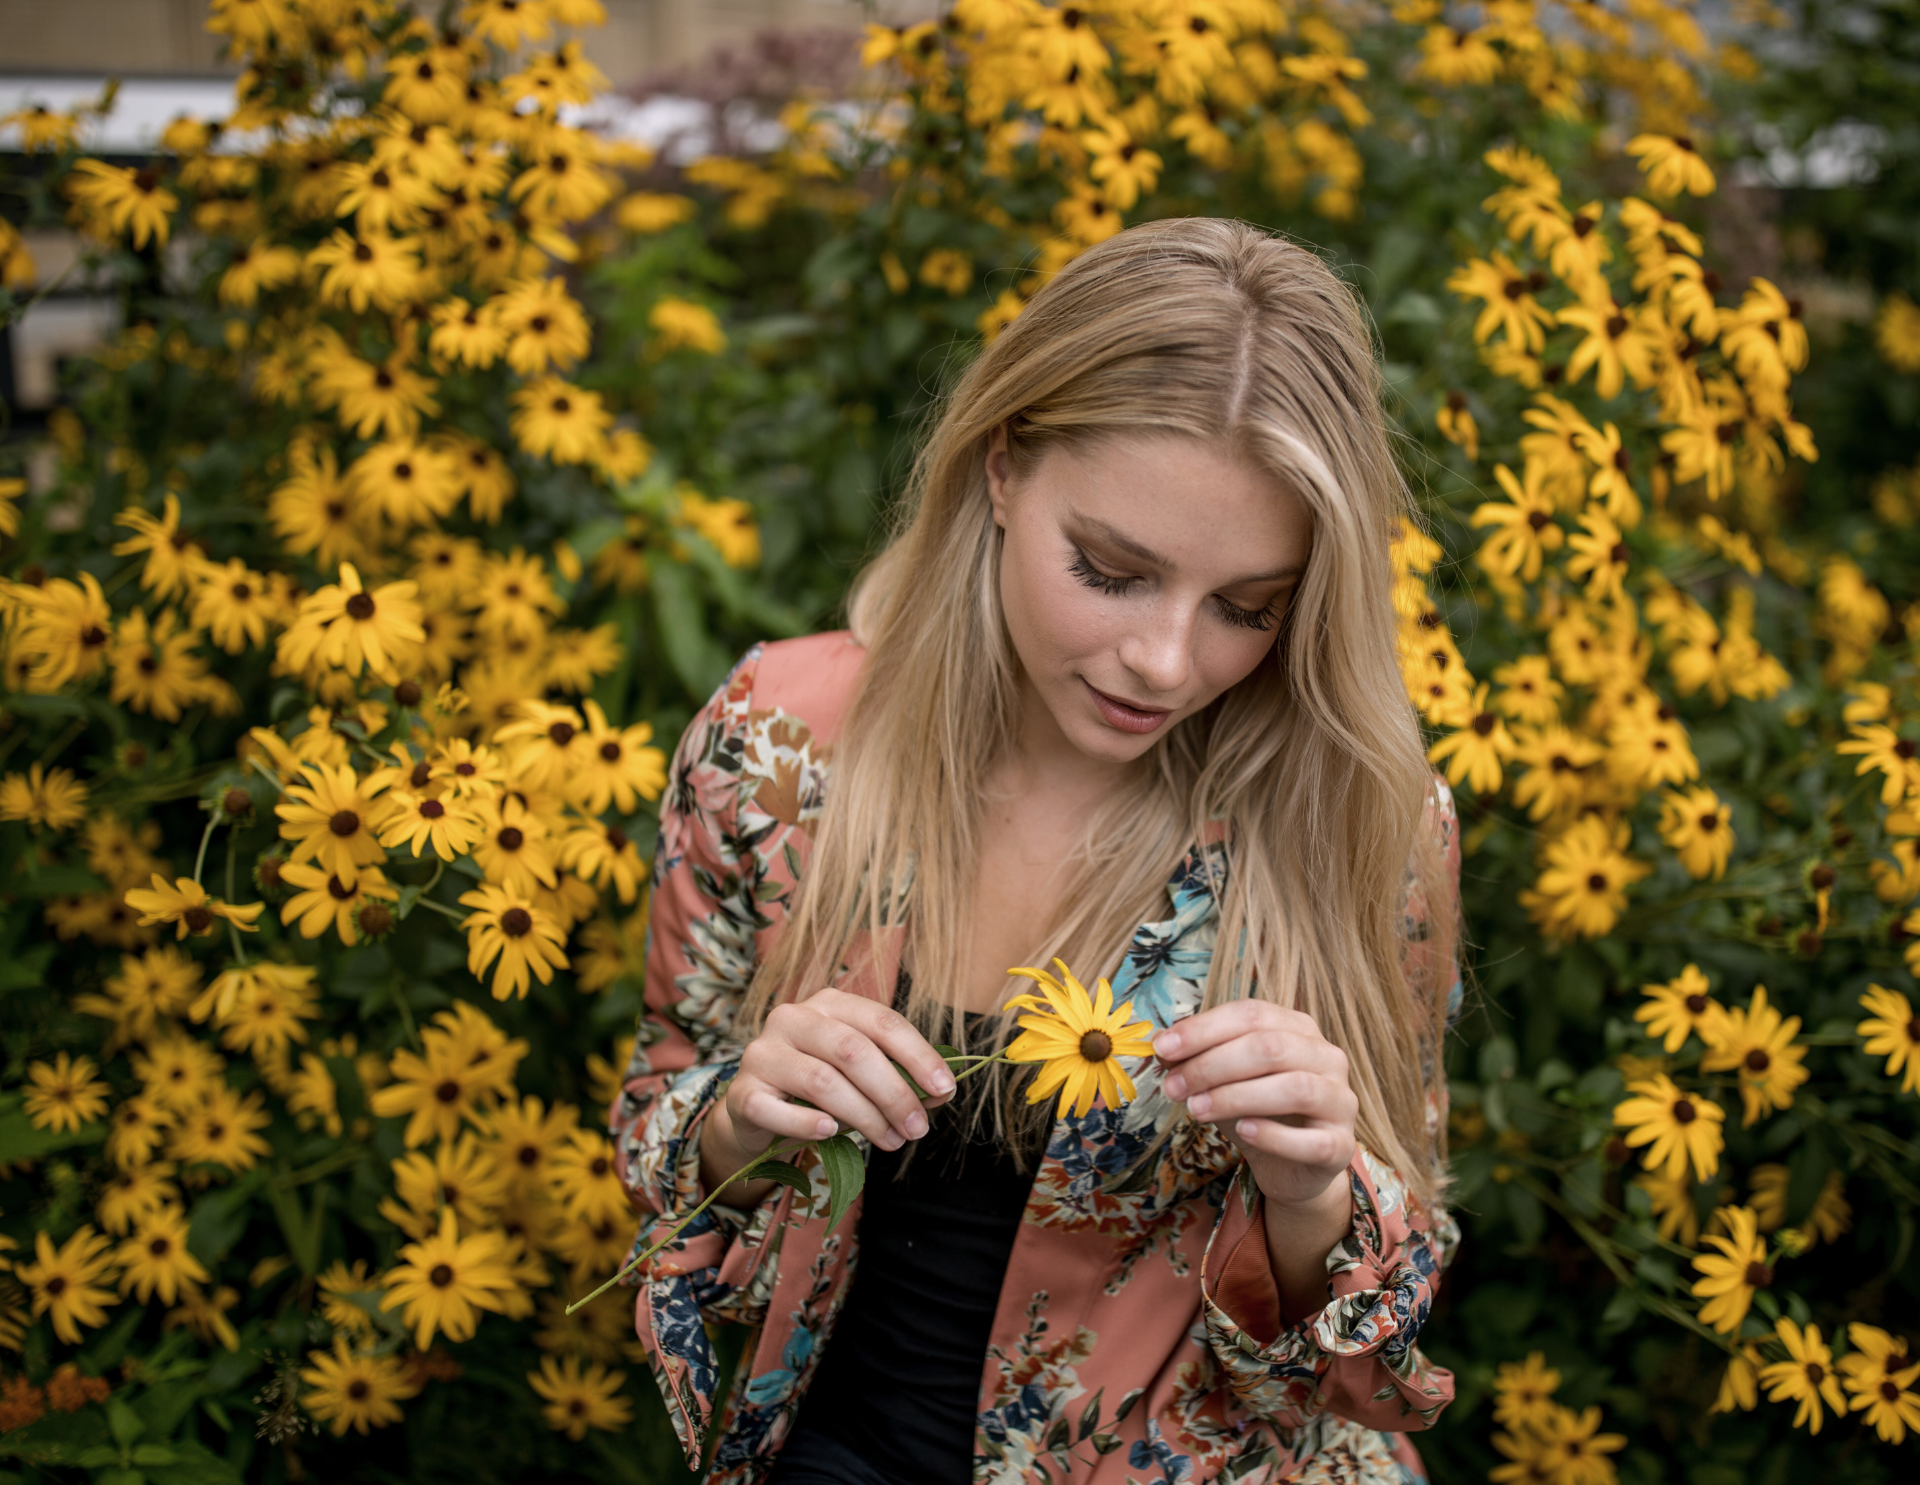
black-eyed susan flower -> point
(1475, 751)
(577, 1400)
(1526, 530)
(556, 420)
(177, 1070)
(1879, 1376)
(524, 938)
(1672, 163)
(1698, 824)
(1807, 1377)
(1892, 1031)
(355, 1389)
(187, 905)
(1682, 1007)
(64, 1094)
(443, 1283)
(606, 856)
(332, 815)
(618, 767)
(1582, 889)
(1756, 1042)
(1077, 1038)
(442, 823)
(353, 627)
(584, 1179)
(1681, 1128)
(49, 799)
(154, 1260)
(1522, 1390)
(65, 1283)
(1730, 1277)
(131, 1192)
(222, 1129)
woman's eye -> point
(1083, 568)
(1246, 618)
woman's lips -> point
(1124, 715)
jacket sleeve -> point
(706, 910)
(1358, 1356)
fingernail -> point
(826, 1128)
(916, 1125)
(1200, 1105)
(942, 1085)
(1176, 1086)
(1167, 1044)
(893, 1141)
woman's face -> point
(1140, 579)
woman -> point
(1121, 689)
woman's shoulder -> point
(809, 680)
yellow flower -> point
(372, 269)
(576, 1400)
(171, 554)
(223, 1129)
(234, 604)
(322, 900)
(524, 938)
(1527, 528)
(1880, 747)
(1697, 824)
(353, 627)
(1892, 1031)
(1896, 330)
(187, 905)
(728, 524)
(1672, 164)
(1078, 1039)
(647, 212)
(65, 1093)
(1583, 888)
(1679, 1008)
(65, 1282)
(1576, 1451)
(1740, 1382)
(1806, 1377)
(1599, 555)
(1879, 1375)
(1757, 1042)
(617, 766)
(331, 816)
(414, 820)
(1522, 1391)
(1477, 749)
(349, 1389)
(43, 797)
(1730, 1277)
(556, 420)
(1681, 1128)
(679, 324)
(155, 1260)
(443, 1282)
(124, 199)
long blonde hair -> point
(1216, 331)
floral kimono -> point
(1138, 1335)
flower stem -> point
(639, 1258)
(205, 837)
(233, 929)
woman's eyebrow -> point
(1115, 537)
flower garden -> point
(353, 597)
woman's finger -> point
(1267, 1049)
(1223, 1023)
(1309, 1145)
(899, 1039)
(769, 1112)
(794, 1073)
(1280, 1095)
(860, 1061)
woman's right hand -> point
(831, 1050)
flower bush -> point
(450, 452)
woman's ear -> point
(999, 473)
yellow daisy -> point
(1078, 1038)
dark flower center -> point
(511, 838)
(1684, 1112)
(1757, 1061)
(441, 1276)
(610, 751)
(197, 919)
(344, 823)
(1096, 1046)
(339, 890)
(516, 922)
(1696, 1004)
(447, 1092)
(616, 837)
(1597, 882)
(561, 733)
(360, 607)
(431, 809)
(358, 1390)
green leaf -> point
(846, 1174)
(786, 1174)
(126, 1424)
(154, 1454)
(26, 971)
(220, 1217)
(918, 1091)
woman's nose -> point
(1160, 653)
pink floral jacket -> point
(1138, 1335)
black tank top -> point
(899, 1378)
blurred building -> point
(682, 54)
(160, 37)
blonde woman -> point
(1122, 689)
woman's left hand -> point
(1276, 1087)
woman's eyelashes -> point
(1230, 613)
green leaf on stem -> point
(785, 1173)
(846, 1174)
